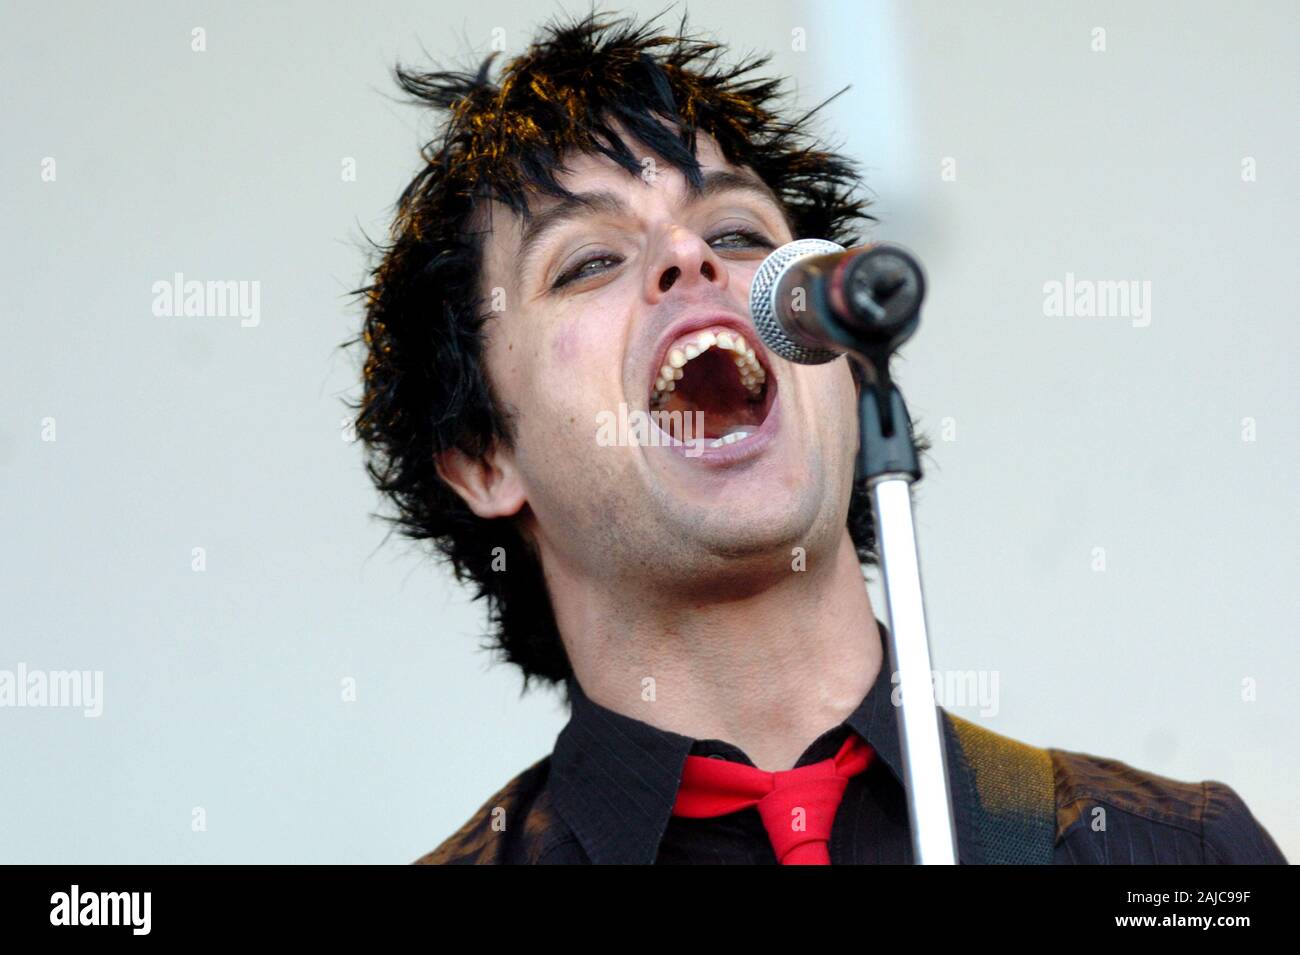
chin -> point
(766, 534)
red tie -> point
(797, 805)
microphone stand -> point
(887, 460)
(878, 302)
(865, 305)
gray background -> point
(222, 688)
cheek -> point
(586, 361)
(830, 384)
(566, 392)
(567, 383)
(839, 399)
(566, 349)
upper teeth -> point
(752, 375)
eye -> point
(740, 239)
(580, 270)
(748, 239)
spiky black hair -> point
(425, 387)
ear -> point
(490, 485)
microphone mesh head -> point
(763, 305)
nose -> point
(684, 259)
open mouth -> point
(712, 386)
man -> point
(578, 247)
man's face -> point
(637, 302)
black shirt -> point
(606, 792)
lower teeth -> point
(731, 438)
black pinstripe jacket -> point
(605, 795)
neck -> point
(768, 672)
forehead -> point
(590, 172)
(583, 169)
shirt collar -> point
(615, 778)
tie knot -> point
(797, 805)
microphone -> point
(813, 300)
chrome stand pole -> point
(920, 732)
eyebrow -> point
(584, 204)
